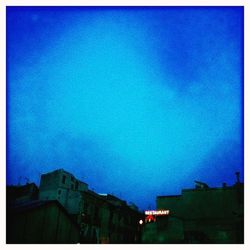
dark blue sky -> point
(137, 102)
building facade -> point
(40, 222)
(121, 221)
(101, 218)
(203, 215)
(62, 186)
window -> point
(64, 179)
(59, 191)
(72, 186)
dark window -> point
(72, 178)
(77, 184)
(64, 179)
(72, 186)
(59, 191)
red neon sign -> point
(150, 218)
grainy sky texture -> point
(135, 101)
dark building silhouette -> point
(102, 218)
(200, 215)
(92, 218)
(21, 193)
(107, 219)
(40, 222)
(64, 210)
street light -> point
(140, 222)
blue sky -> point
(135, 101)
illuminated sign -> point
(150, 218)
(157, 212)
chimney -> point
(224, 184)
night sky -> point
(134, 101)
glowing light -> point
(140, 222)
(156, 212)
(150, 218)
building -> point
(108, 219)
(21, 193)
(121, 221)
(101, 218)
(62, 186)
(203, 215)
(93, 212)
(40, 222)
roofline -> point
(168, 196)
(20, 186)
(110, 202)
(61, 169)
(241, 184)
(209, 188)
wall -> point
(64, 187)
(209, 215)
(43, 224)
(112, 220)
